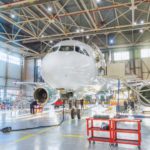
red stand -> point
(137, 131)
(113, 130)
(91, 129)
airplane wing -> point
(30, 83)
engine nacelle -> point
(45, 95)
(145, 92)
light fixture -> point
(142, 21)
(134, 23)
(42, 35)
(77, 30)
(12, 16)
(51, 41)
(82, 30)
(87, 37)
(111, 41)
(50, 9)
(141, 30)
(98, 1)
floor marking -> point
(24, 137)
(73, 136)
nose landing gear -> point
(74, 112)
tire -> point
(78, 114)
(72, 113)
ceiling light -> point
(141, 30)
(87, 37)
(42, 35)
(98, 1)
(77, 30)
(111, 41)
(12, 16)
(50, 9)
(51, 41)
(142, 22)
(134, 23)
(82, 30)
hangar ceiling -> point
(36, 25)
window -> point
(3, 56)
(54, 49)
(145, 53)
(39, 62)
(77, 49)
(121, 56)
(1, 94)
(86, 53)
(12, 94)
(66, 48)
(14, 60)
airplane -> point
(69, 65)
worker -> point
(70, 104)
(32, 107)
(132, 105)
(82, 103)
(75, 103)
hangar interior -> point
(28, 31)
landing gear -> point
(92, 142)
(72, 113)
(75, 112)
(78, 114)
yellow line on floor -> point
(24, 137)
(73, 136)
(35, 134)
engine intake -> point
(44, 95)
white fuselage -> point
(69, 69)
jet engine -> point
(45, 95)
(145, 92)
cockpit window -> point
(77, 49)
(54, 49)
(81, 51)
(86, 53)
(66, 48)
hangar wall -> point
(31, 74)
(10, 71)
(29, 70)
(135, 66)
(32, 70)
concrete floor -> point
(71, 135)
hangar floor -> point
(71, 135)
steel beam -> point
(89, 32)
(22, 3)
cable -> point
(9, 129)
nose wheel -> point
(75, 112)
